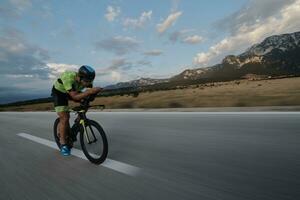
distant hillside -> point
(137, 83)
(277, 55)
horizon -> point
(127, 41)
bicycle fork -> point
(82, 122)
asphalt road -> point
(177, 156)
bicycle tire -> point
(56, 122)
(56, 137)
(101, 158)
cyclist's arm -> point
(78, 96)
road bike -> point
(92, 137)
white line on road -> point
(111, 164)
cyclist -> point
(69, 86)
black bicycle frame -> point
(82, 121)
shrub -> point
(175, 105)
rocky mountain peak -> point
(279, 42)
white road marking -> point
(109, 163)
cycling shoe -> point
(65, 150)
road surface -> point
(208, 155)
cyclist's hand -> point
(98, 89)
(94, 90)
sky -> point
(125, 40)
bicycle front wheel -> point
(93, 142)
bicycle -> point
(90, 131)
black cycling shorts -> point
(60, 99)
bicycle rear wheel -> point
(56, 135)
(55, 131)
(94, 142)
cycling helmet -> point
(86, 73)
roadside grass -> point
(242, 93)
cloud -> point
(114, 72)
(21, 88)
(121, 69)
(248, 32)
(195, 39)
(112, 13)
(179, 35)
(20, 58)
(155, 52)
(140, 22)
(13, 9)
(115, 76)
(119, 45)
(122, 64)
(144, 63)
(119, 63)
(253, 12)
(171, 19)
(58, 68)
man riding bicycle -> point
(68, 87)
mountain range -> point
(277, 55)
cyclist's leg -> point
(61, 107)
(63, 126)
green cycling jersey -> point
(67, 81)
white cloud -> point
(245, 35)
(112, 13)
(58, 68)
(111, 76)
(251, 13)
(171, 19)
(140, 22)
(115, 76)
(195, 39)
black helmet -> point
(86, 73)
